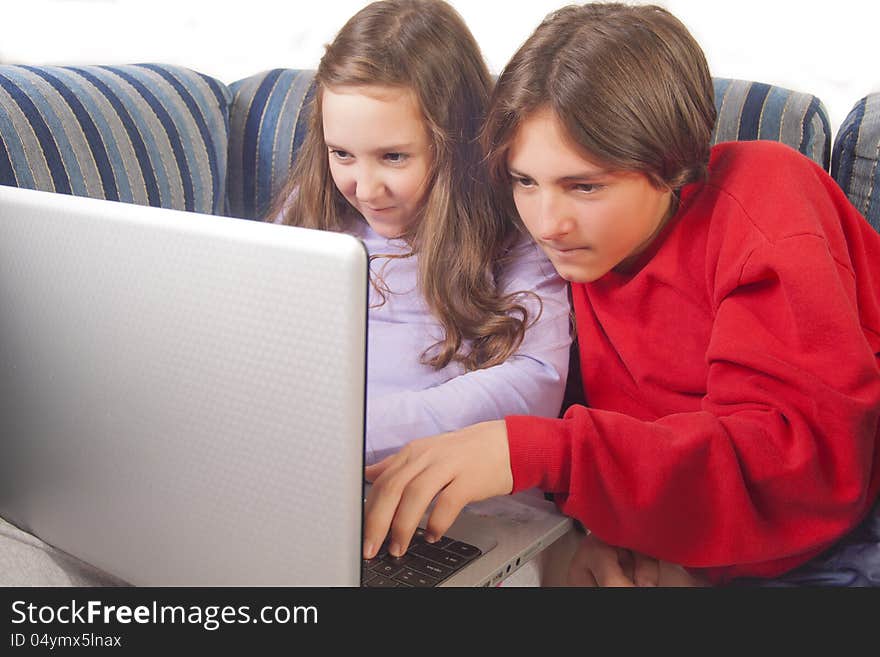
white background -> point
(826, 48)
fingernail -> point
(430, 538)
(368, 550)
(395, 550)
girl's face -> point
(587, 219)
(380, 153)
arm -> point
(780, 461)
(532, 381)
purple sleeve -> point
(531, 382)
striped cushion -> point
(753, 110)
(147, 133)
(267, 125)
(856, 155)
(268, 122)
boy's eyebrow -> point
(586, 175)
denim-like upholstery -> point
(268, 122)
(148, 134)
(161, 135)
(856, 155)
(753, 110)
(269, 118)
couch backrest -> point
(268, 121)
(169, 136)
(147, 133)
(854, 161)
(269, 117)
(754, 110)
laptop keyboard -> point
(424, 564)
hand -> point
(596, 563)
(457, 468)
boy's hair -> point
(629, 83)
(460, 234)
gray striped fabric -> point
(753, 110)
(147, 133)
(268, 121)
(856, 155)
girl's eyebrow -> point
(396, 148)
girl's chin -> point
(387, 229)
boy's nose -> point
(554, 220)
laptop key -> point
(411, 577)
(380, 582)
(427, 567)
(440, 556)
(419, 537)
(464, 549)
(387, 569)
(423, 565)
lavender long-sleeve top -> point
(407, 399)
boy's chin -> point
(578, 274)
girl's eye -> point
(395, 158)
(340, 154)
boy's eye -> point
(340, 154)
(588, 188)
(395, 158)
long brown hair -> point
(629, 83)
(461, 236)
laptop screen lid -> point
(182, 394)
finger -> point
(673, 575)
(627, 563)
(579, 571)
(646, 570)
(581, 577)
(372, 472)
(381, 504)
(606, 567)
(450, 502)
(418, 494)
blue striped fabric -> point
(753, 110)
(269, 118)
(856, 155)
(268, 121)
(146, 133)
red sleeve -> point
(780, 461)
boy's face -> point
(379, 151)
(588, 220)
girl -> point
(728, 319)
(392, 157)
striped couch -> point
(168, 136)
(855, 157)
(172, 137)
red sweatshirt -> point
(732, 378)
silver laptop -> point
(182, 399)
